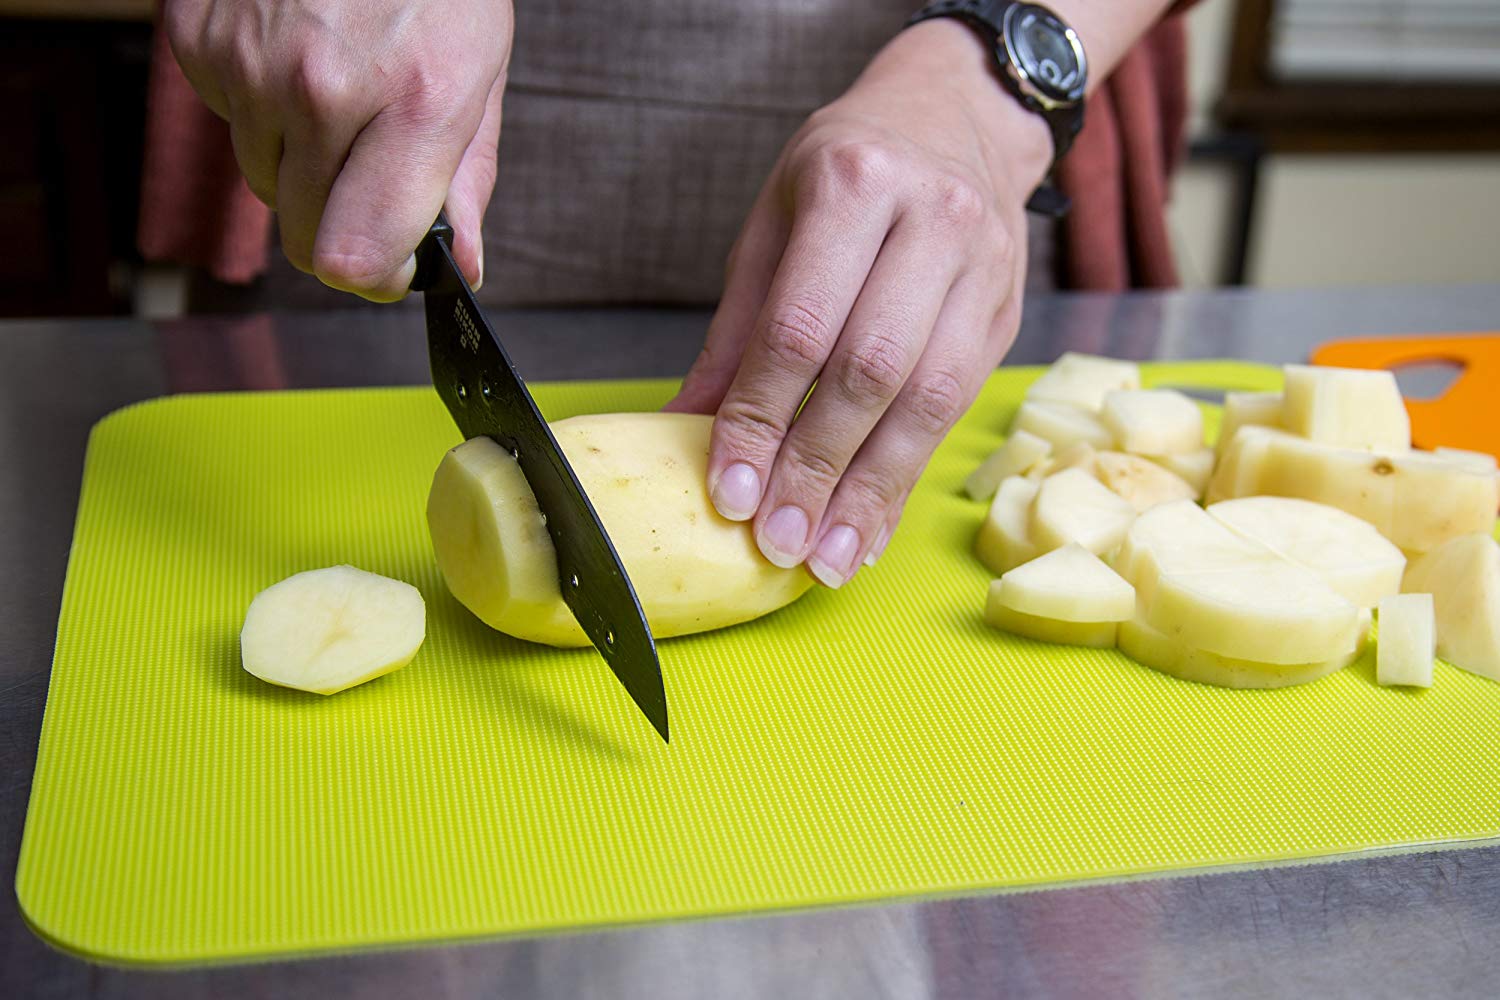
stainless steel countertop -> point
(1422, 923)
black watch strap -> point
(986, 17)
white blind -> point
(1387, 40)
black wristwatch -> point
(1039, 59)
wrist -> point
(946, 54)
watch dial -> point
(1046, 54)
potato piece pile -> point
(1318, 512)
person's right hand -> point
(356, 121)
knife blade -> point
(485, 395)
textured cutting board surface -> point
(872, 743)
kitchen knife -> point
(486, 396)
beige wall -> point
(1334, 220)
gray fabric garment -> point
(636, 136)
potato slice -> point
(327, 630)
(1061, 424)
(1404, 652)
(1270, 611)
(1348, 553)
(1099, 635)
(1151, 648)
(1082, 380)
(1020, 452)
(1463, 577)
(1346, 407)
(1153, 421)
(1241, 465)
(1141, 481)
(1179, 537)
(1078, 455)
(1069, 584)
(1004, 540)
(1215, 590)
(1073, 506)
(1194, 467)
(1248, 409)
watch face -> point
(1047, 51)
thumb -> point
(473, 183)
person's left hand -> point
(883, 261)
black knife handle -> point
(428, 255)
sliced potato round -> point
(1142, 482)
(327, 630)
(1195, 467)
(1154, 649)
(1020, 452)
(1004, 540)
(1248, 409)
(1099, 635)
(1153, 421)
(1179, 537)
(1073, 506)
(1082, 380)
(1060, 424)
(1348, 553)
(1069, 584)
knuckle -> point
(956, 202)
(354, 265)
(813, 471)
(868, 498)
(873, 372)
(846, 169)
(797, 335)
(319, 88)
(745, 429)
(936, 400)
(432, 103)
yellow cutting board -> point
(873, 743)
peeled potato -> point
(1069, 584)
(1099, 635)
(1194, 467)
(1061, 424)
(1082, 380)
(1153, 421)
(1348, 553)
(693, 570)
(1418, 500)
(1407, 641)
(1021, 451)
(327, 630)
(1248, 409)
(1151, 648)
(1004, 540)
(1463, 577)
(1346, 407)
(1142, 482)
(1073, 506)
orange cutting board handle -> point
(1468, 414)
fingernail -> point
(878, 549)
(833, 562)
(737, 493)
(783, 536)
(480, 283)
